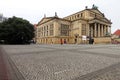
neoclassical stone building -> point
(78, 28)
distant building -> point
(80, 27)
(116, 37)
(2, 18)
(116, 34)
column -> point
(98, 30)
(88, 29)
(95, 25)
(102, 31)
(92, 31)
(110, 30)
(105, 30)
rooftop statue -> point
(94, 7)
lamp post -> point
(90, 40)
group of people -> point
(63, 41)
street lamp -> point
(90, 39)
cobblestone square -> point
(66, 62)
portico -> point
(98, 29)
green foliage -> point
(16, 31)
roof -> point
(91, 9)
(117, 32)
(44, 20)
(94, 10)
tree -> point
(16, 31)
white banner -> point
(84, 37)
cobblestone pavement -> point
(8, 70)
(3, 69)
(66, 62)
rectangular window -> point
(44, 33)
(47, 33)
(83, 29)
(44, 28)
(81, 14)
(78, 15)
(51, 29)
(64, 30)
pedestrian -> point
(61, 41)
(65, 41)
(92, 41)
(75, 41)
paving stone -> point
(66, 62)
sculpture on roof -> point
(56, 14)
(44, 15)
(86, 7)
(94, 7)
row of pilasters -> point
(99, 30)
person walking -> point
(61, 41)
(65, 41)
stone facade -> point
(90, 23)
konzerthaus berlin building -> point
(78, 28)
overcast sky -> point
(34, 10)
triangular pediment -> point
(100, 20)
(45, 20)
(96, 11)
